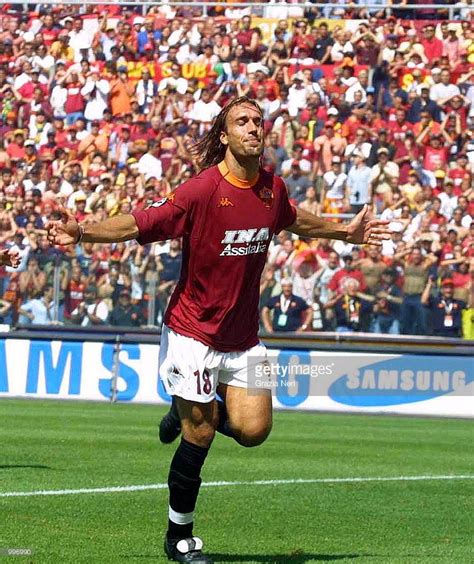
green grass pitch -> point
(49, 445)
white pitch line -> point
(145, 487)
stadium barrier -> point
(329, 372)
(295, 9)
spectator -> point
(352, 310)
(125, 314)
(445, 310)
(111, 115)
(290, 312)
(297, 183)
(38, 310)
(359, 183)
(416, 272)
(91, 311)
(333, 193)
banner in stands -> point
(300, 379)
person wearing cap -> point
(297, 182)
(125, 314)
(91, 311)
(60, 49)
(446, 311)
(290, 312)
(359, 145)
(448, 198)
(16, 147)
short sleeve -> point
(271, 302)
(166, 219)
(286, 212)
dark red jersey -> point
(226, 225)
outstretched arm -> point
(363, 229)
(67, 230)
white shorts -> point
(191, 370)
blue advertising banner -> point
(299, 379)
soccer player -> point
(9, 257)
(226, 215)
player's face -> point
(244, 135)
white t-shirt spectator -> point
(441, 91)
(178, 84)
(354, 148)
(150, 166)
(296, 100)
(97, 103)
(338, 50)
(57, 100)
(99, 309)
(204, 112)
(448, 203)
(305, 166)
(336, 184)
(42, 313)
(349, 95)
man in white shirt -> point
(297, 95)
(444, 90)
(80, 40)
(149, 164)
(39, 311)
(334, 186)
(205, 109)
(92, 311)
(96, 92)
(296, 155)
(360, 145)
(173, 82)
(449, 201)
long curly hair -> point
(210, 151)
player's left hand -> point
(364, 229)
(9, 257)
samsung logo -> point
(406, 380)
(401, 380)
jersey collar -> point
(232, 179)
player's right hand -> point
(64, 231)
(8, 257)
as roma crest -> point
(266, 195)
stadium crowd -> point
(98, 110)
